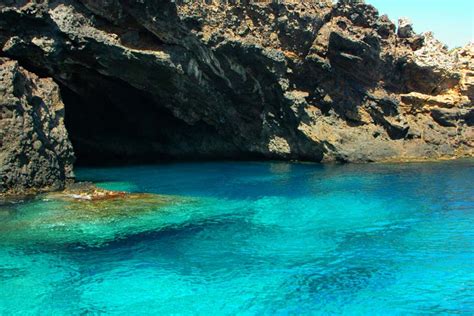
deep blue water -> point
(250, 239)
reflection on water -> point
(255, 238)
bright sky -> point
(452, 21)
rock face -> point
(35, 152)
(300, 80)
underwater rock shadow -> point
(173, 231)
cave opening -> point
(112, 123)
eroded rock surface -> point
(35, 152)
(311, 81)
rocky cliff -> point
(35, 152)
(308, 80)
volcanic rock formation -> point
(35, 152)
(309, 80)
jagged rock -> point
(405, 28)
(452, 117)
(35, 152)
(465, 60)
(303, 80)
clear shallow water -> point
(250, 238)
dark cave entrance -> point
(109, 123)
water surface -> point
(249, 238)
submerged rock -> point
(87, 215)
(86, 200)
(85, 191)
(311, 81)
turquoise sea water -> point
(250, 239)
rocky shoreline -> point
(134, 80)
